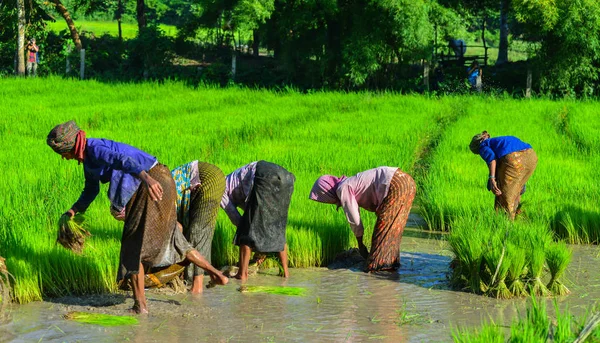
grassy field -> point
(310, 135)
(99, 28)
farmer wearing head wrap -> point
(263, 190)
(511, 162)
(387, 191)
(142, 186)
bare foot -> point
(239, 276)
(138, 309)
(196, 290)
(219, 279)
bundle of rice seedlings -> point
(518, 261)
(466, 245)
(101, 319)
(558, 257)
(537, 258)
(71, 233)
(4, 286)
(498, 265)
(290, 291)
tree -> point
(21, 37)
(503, 47)
(60, 8)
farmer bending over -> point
(387, 191)
(145, 189)
(511, 162)
(263, 190)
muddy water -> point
(414, 305)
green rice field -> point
(99, 28)
(310, 135)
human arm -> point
(492, 184)
(351, 209)
(362, 248)
(232, 212)
(119, 161)
(89, 193)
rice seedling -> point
(536, 258)
(516, 270)
(308, 134)
(279, 290)
(498, 264)
(4, 286)
(536, 326)
(101, 319)
(558, 257)
(71, 234)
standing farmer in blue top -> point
(511, 162)
(145, 189)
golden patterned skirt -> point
(512, 173)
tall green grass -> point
(559, 194)
(308, 134)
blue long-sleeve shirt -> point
(114, 162)
(498, 147)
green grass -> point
(101, 319)
(99, 28)
(308, 134)
(534, 327)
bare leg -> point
(197, 284)
(139, 306)
(284, 261)
(215, 275)
(245, 252)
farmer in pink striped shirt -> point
(387, 191)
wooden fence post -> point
(82, 64)
(426, 75)
(528, 89)
(233, 65)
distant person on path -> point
(142, 186)
(199, 186)
(511, 163)
(387, 191)
(459, 47)
(32, 57)
(263, 190)
(474, 74)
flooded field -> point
(340, 305)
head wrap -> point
(67, 137)
(476, 141)
(324, 189)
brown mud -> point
(343, 304)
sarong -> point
(392, 216)
(512, 172)
(150, 234)
(264, 221)
(204, 206)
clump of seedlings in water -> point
(289, 291)
(101, 319)
(4, 286)
(505, 260)
(71, 233)
(558, 256)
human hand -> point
(70, 213)
(493, 187)
(154, 188)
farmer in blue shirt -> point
(145, 189)
(511, 162)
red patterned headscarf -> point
(67, 137)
